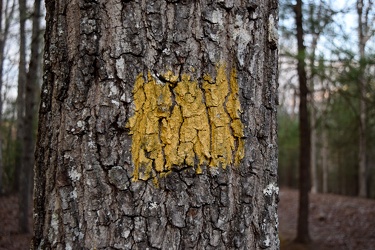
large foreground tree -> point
(157, 126)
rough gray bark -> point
(85, 195)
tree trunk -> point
(305, 134)
(362, 31)
(313, 163)
(28, 120)
(6, 13)
(22, 76)
(325, 164)
(313, 114)
(157, 126)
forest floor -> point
(10, 238)
(336, 222)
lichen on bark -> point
(179, 122)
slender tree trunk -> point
(362, 176)
(21, 92)
(157, 126)
(28, 140)
(314, 167)
(313, 114)
(305, 134)
(325, 164)
(20, 185)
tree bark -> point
(305, 134)
(157, 126)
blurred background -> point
(327, 124)
(339, 61)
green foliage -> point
(288, 141)
(341, 125)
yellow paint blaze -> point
(185, 122)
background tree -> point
(6, 15)
(365, 32)
(157, 126)
(320, 17)
(28, 120)
(305, 132)
(22, 77)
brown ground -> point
(10, 238)
(336, 222)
